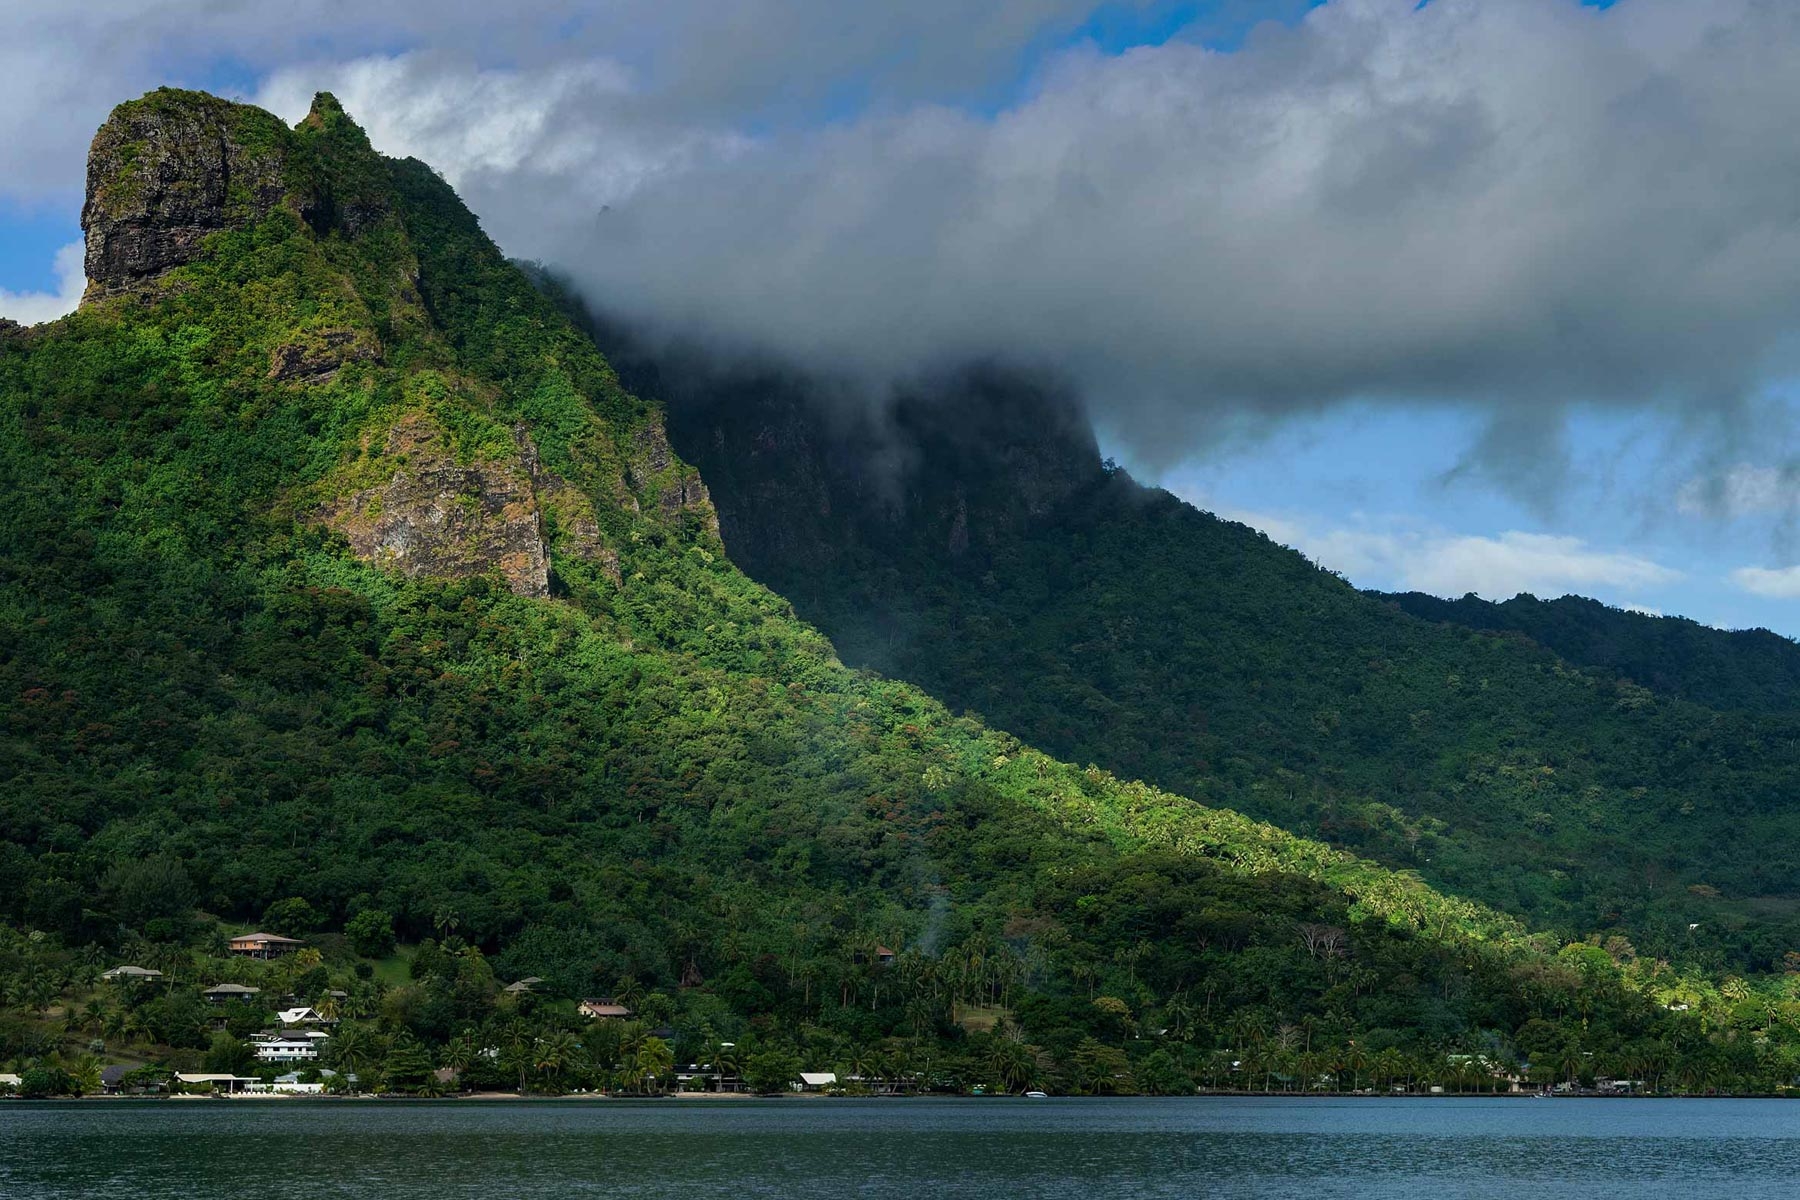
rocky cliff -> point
(168, 171)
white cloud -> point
(1744, 490)
(32, 308)
(1773, 584)
(1448, 564)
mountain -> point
(969, 538)
(1737, 670)
(346, 594)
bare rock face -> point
(318, 358)
(437, 517)
(167, 171)
(676, 491)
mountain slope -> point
(344, 588)
(1751, 669)
(971, 540)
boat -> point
(1037, 1096)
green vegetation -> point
(1743, 670)
(974, 543)
(652, 782)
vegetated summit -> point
(345, 592)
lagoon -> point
(1086, 1148)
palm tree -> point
(726, 1060)
(352, 1050)
(460, 1052)
(1356, 1059)
(555, 1053)
(652, 1062)
(85, 1071)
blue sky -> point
(1371, 463)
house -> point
(297, 1046)
(884, 956)
(130, 973)
(604, 1009)
(9, 1080)
(225, 993)
(263, 945)
(290, 1085)
(302, 1016)
(218, 1083)
(121, 1080)
(816, 1081)
(523, 986)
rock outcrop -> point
(318, 358)
(168, 171)
(435, 516)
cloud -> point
(709, 62)
(1496, 567)
(1777, 584)
(1742, 491)
(32, 308)
(1516, 208)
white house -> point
(817, 1081)
(118, 973)
(295, 1046)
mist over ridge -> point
(1515, 209)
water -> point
(1224, 1147)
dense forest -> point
(346, 594)
(1586, 769)
(1731, 670)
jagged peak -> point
(327, 116)
(325, 107)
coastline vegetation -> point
(652, 782)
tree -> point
(292, 917)
(653, 1062)
(228, 1055)
(407, 1066)
(352, 1049)
(40, 1083)
(772, 1070)
(371, 933)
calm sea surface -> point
(916, 1148)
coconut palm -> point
(556, 1053)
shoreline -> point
(585, 1097)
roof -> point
(818, 1078)
(186, 1078)
(604, 1008)
(884, 952)
(266, 937)
(131, 973)
(231, 989)
(293, 1016)
(8, 1077)
(111, 1075)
